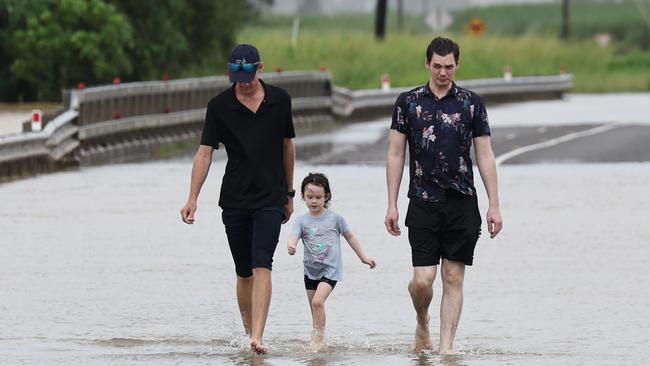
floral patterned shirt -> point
(440, 133)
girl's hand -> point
(370, 262)
(291, 249)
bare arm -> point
(200, 169)
(487, 167)
(292, 244)
(356, 246)
(289, 150)
(394, 171)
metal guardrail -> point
(39, 152)
(359, 104)
(152, 113)
(107, 103)
(53, 141)
(132, 121)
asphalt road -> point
(586, 143)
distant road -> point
(620, 144)
(579, 129)
(12, 115)
(12, 122)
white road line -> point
(572, 136)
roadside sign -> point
(476, 27)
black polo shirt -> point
(255, 176)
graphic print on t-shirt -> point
(319, 249)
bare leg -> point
(261, 300)
(421, 290)
(317, 304)
(451, 306)
(310, 297)
(244, 293)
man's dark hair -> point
(443, 46)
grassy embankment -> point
(524, 37)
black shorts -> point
(447, 229)
(252, 236)
(313, 284)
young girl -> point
(320, 230)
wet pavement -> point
(588, 128)
(625, 143)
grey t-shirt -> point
(321, 237)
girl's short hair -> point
(317, 179)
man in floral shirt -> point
(439, 121)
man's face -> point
(443, 69)
(250, 87)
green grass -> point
(524, 37)
(356, 60)
(624, 19)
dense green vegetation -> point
(48, 45)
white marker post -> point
(507, 73)
(385, 82)
(37, 120)
(294, 32)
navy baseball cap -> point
(243, 63)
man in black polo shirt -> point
(253, 121)
(439, 121)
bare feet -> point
(422, 337)
(446, 352)
(258, 347)
(316, 346)
(317, 340)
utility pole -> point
(564, 34)
(400, 15)
(380, 20)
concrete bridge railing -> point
(144, 120)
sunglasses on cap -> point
(234, 67)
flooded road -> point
(97, 269)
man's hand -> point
(289, 208)
(391, 223)
(187, 212)
(494, 221)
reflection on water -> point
(97, 269)
(428, 359)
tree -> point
(5, 75)
(56, 43)
(48, 45)
(171, 35)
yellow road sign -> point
(476, 27)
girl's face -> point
(314, 197)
